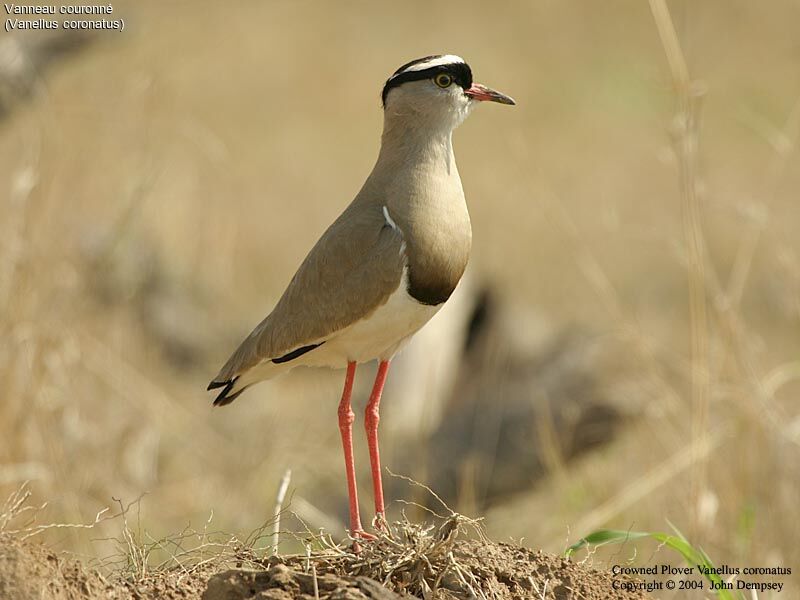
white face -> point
(435, 92)
(435, 101)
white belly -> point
(378, 336)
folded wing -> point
(351, 271)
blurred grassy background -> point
(161, 186)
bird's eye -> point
(443, 80)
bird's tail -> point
(225, 396)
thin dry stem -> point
(686, 136)
(276, 521)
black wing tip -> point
(223, 398)
(217, 384)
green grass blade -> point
(693, 556)
(602, 537)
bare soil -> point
(477, 569)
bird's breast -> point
(438, 238)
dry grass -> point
(449, 558)
(164, 184)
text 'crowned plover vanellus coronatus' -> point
(385, 266)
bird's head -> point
(436, 89)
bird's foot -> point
(360, 534)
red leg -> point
(346, 418)
(371, 419)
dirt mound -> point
(30, 571)
(478, 570)
(450, 570)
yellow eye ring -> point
(443, 80)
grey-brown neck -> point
(415, 142)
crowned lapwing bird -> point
(385, 266)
